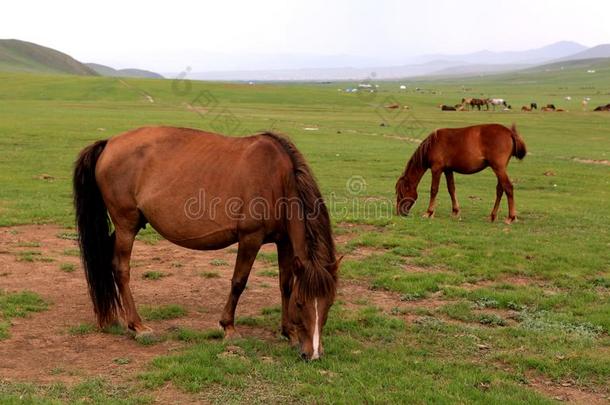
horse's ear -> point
(297, 267)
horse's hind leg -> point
(499, 192)
(123, 244)
(436, 179)
(507, 186)
(455, 206)
(249, 245)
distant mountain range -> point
(477, 63)
(23, 56)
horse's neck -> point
(413, 174)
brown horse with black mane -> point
(206, 191)
(463, 150)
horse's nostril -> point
(304, 356)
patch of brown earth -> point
(604, 162)
(41, 349)
(567, 392)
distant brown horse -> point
(463, 150)
(479, 102)
(206, 191)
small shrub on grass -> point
(153, 275)
(209, 274)
(491, 320)
(219, 262)
(268, 273)
(81, 329)
(72, 252)
(67, 267)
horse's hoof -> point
(231, 333)
(455, 214)
(509, 220)
(428, 214)
(492, 218)
(143, 332)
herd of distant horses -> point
(478, 103)
(151, 176)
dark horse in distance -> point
(207, 191)
(463, 150)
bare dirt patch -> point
(604, 162)
(41, 349)
(567, 392)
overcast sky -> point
(214, 35)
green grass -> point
(17, 305)
(555, 325)
(158, 313)
(90, 391)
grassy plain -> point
(518, 304)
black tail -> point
(519, 149)
(96, 243)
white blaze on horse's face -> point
(316, 333)
(308, 318)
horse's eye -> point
(299, 305)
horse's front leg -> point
(455, 206)
(436, 179)
(285, 257)
(248, 248)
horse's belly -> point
(469, 166)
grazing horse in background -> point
(444, 107)
(206, 191)
(466, 101)
(603, 108)
(547, 109)
(463, 150)
(479, 102)
(497, 102)
(533, 106)
(550, 107)
(526, 109)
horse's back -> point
(471, 149)
(183, 180)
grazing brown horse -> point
(479, 102)
(206, 191)
(463, 150)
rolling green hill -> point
(21, 56)
(104, 70)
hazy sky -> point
(207, 35)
